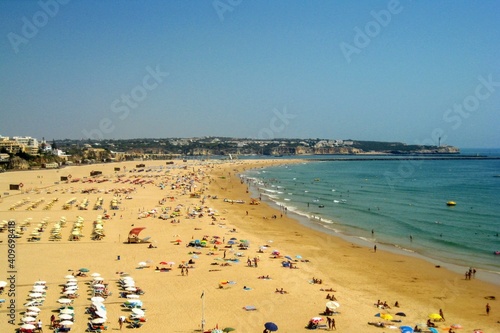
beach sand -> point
(174, 302)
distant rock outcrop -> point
(17, 163)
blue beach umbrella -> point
(271, 326)
(406, 329)
(288, 257)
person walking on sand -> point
(329, 321)
(488, 309)
(121, 320)
(333, 324)
(374, 248)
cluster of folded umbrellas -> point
(133, 302)
(36, 298)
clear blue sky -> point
(252, 68)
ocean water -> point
(403, 202)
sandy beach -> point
(173, 301)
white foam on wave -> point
(287, 199)
(403, 248)
(326, 226)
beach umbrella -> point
(434, 330)
(142, 263)
(435, 316)
(66, 311)
(332, 305)
(98, 321)
(84, 270)
(95, 274)
(32, 303)
(271, 326)
(39, 283)
(97, 299)
(64, 301)
(65, 316)
(101, 313)
(69, 292)
(228, 329)
(33, 309)
(233, 238)
(66, 323)
(216, 331)
(288, 257)
(131, 289)
(35, 295)
(163, 263)
(133, 296)
(138, 312)
(31, 314)
(71, 280)
(406, 329)
(99, 286)
(456, 326)
(99, 306)
(69, 276)
(298, 256)
(28, 319)
(316, 319)
(386, 316)
(28, 326)
(3, 284)
(402, 314)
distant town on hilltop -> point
(21, 153)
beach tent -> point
(133, 235)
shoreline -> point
(486, 275)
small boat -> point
(321, 206)
(451, 203)
(497, 253)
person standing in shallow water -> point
(374, 248)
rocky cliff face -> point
(18, 163)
